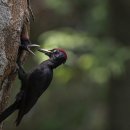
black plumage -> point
(34, 83)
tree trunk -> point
(120, 101)
(12, 16)
(120, 86)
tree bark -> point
(12, 17)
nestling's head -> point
(57, 55)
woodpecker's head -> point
(57, 55)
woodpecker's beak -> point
(46, 52)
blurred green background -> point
(92, 90)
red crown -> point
(62, 50)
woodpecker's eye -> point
(55, 51)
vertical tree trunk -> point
(120, 86)
(120, 101)
(12, 16)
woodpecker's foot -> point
(21, 73)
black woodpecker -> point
(34, 83)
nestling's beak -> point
(46, 52)
(31, 46)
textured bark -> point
(12, 16)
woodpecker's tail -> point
(7, 112)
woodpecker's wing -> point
(38, 81)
